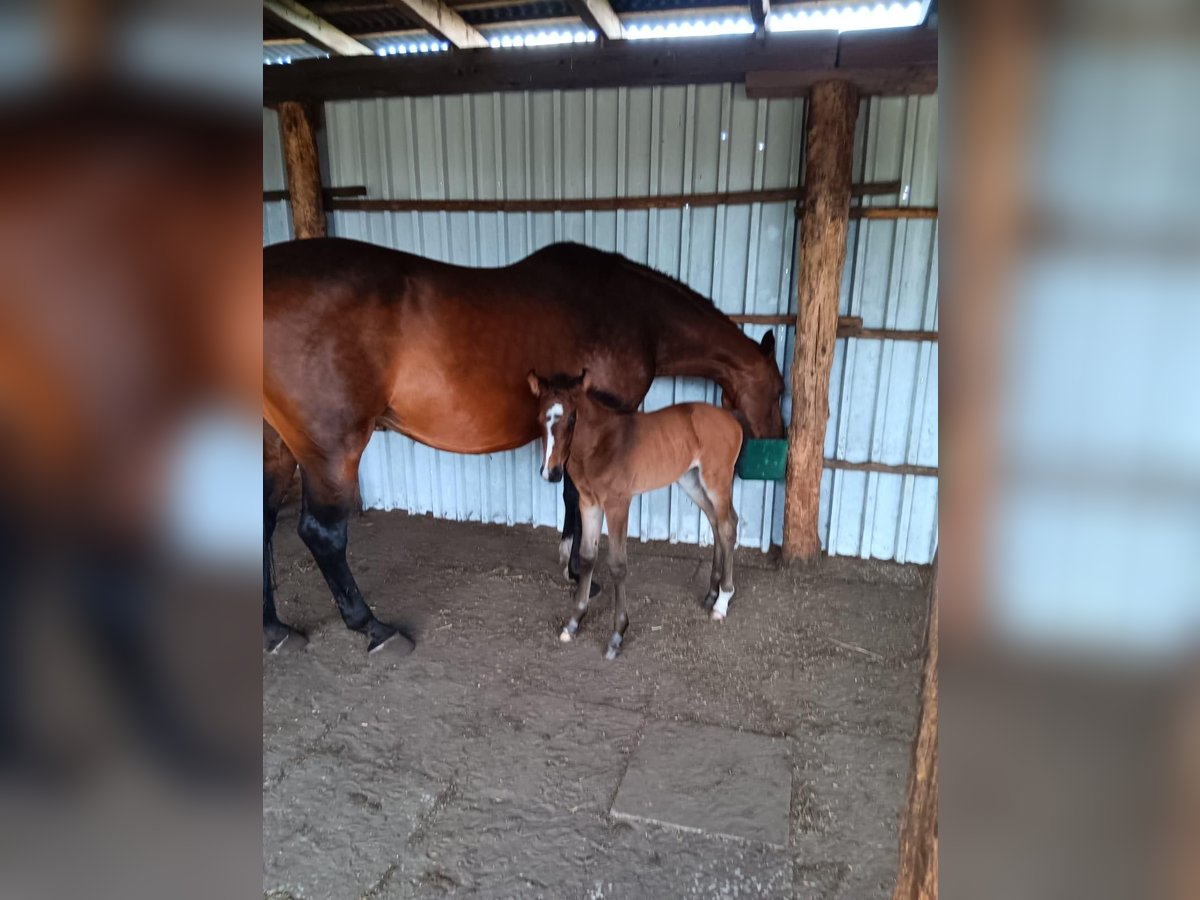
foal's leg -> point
(592, 519)
(330, 496)
(690, 482)
(279, 467)
(617, 513)
(727, 520)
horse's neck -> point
(701, 344)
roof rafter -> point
(303, 19)
(442, 21)
(599, 15)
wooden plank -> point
(302, 169)
(599, 16)
(581, 204)
(328, 194)
(829, 153)
(883, 81)
(918, 876)
(321, 32)
(848, 327)
(890, 468)
(894, 212)
(759, 10)
(442, 21)
(567, 66)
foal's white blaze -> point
(721, 607)
(553, 414)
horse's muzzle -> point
(554, 475)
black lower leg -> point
(275, 633)
(324, 530)
(570, 527)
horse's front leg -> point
(589, 542)
(618, 521)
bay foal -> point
(612, 456)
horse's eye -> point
(571, 420)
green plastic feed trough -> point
(763, 459)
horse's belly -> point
(462, 424)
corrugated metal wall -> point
(277, 215)
(883, 394)
(645, 141)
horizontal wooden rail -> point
(894, 212)
(330, 194)
(601, 204)
(886, 212)
(848, 327)
(901, 469)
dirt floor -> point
(487, 763)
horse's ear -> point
(586, 380)
(535, 383)
(768, 344)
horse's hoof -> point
(718, 616)
(565, 636)
(397, 646)
(288, 642)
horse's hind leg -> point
(690, 482)
(617, 513)
(279, 468)
(329, 497)
(727, 520)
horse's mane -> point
(666, 281)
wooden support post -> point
(918, 878)
(303, 169)
(829, 153)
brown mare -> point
(356, 335)
(614, 455)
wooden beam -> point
(847, 327)
(901, 61)
(603, 204)
(599, 16)
(884, 81)
(443, 21)
(829, 154)
(918, 876)
(328, 194)
(303, 19)
(759, 10)
(888, 468)
(565, 67)
(302, 169)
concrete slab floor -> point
(488, 762)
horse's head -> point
(755, 391)
(558, 401)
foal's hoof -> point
(397, 646)
(279, 643)
(614, 648)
